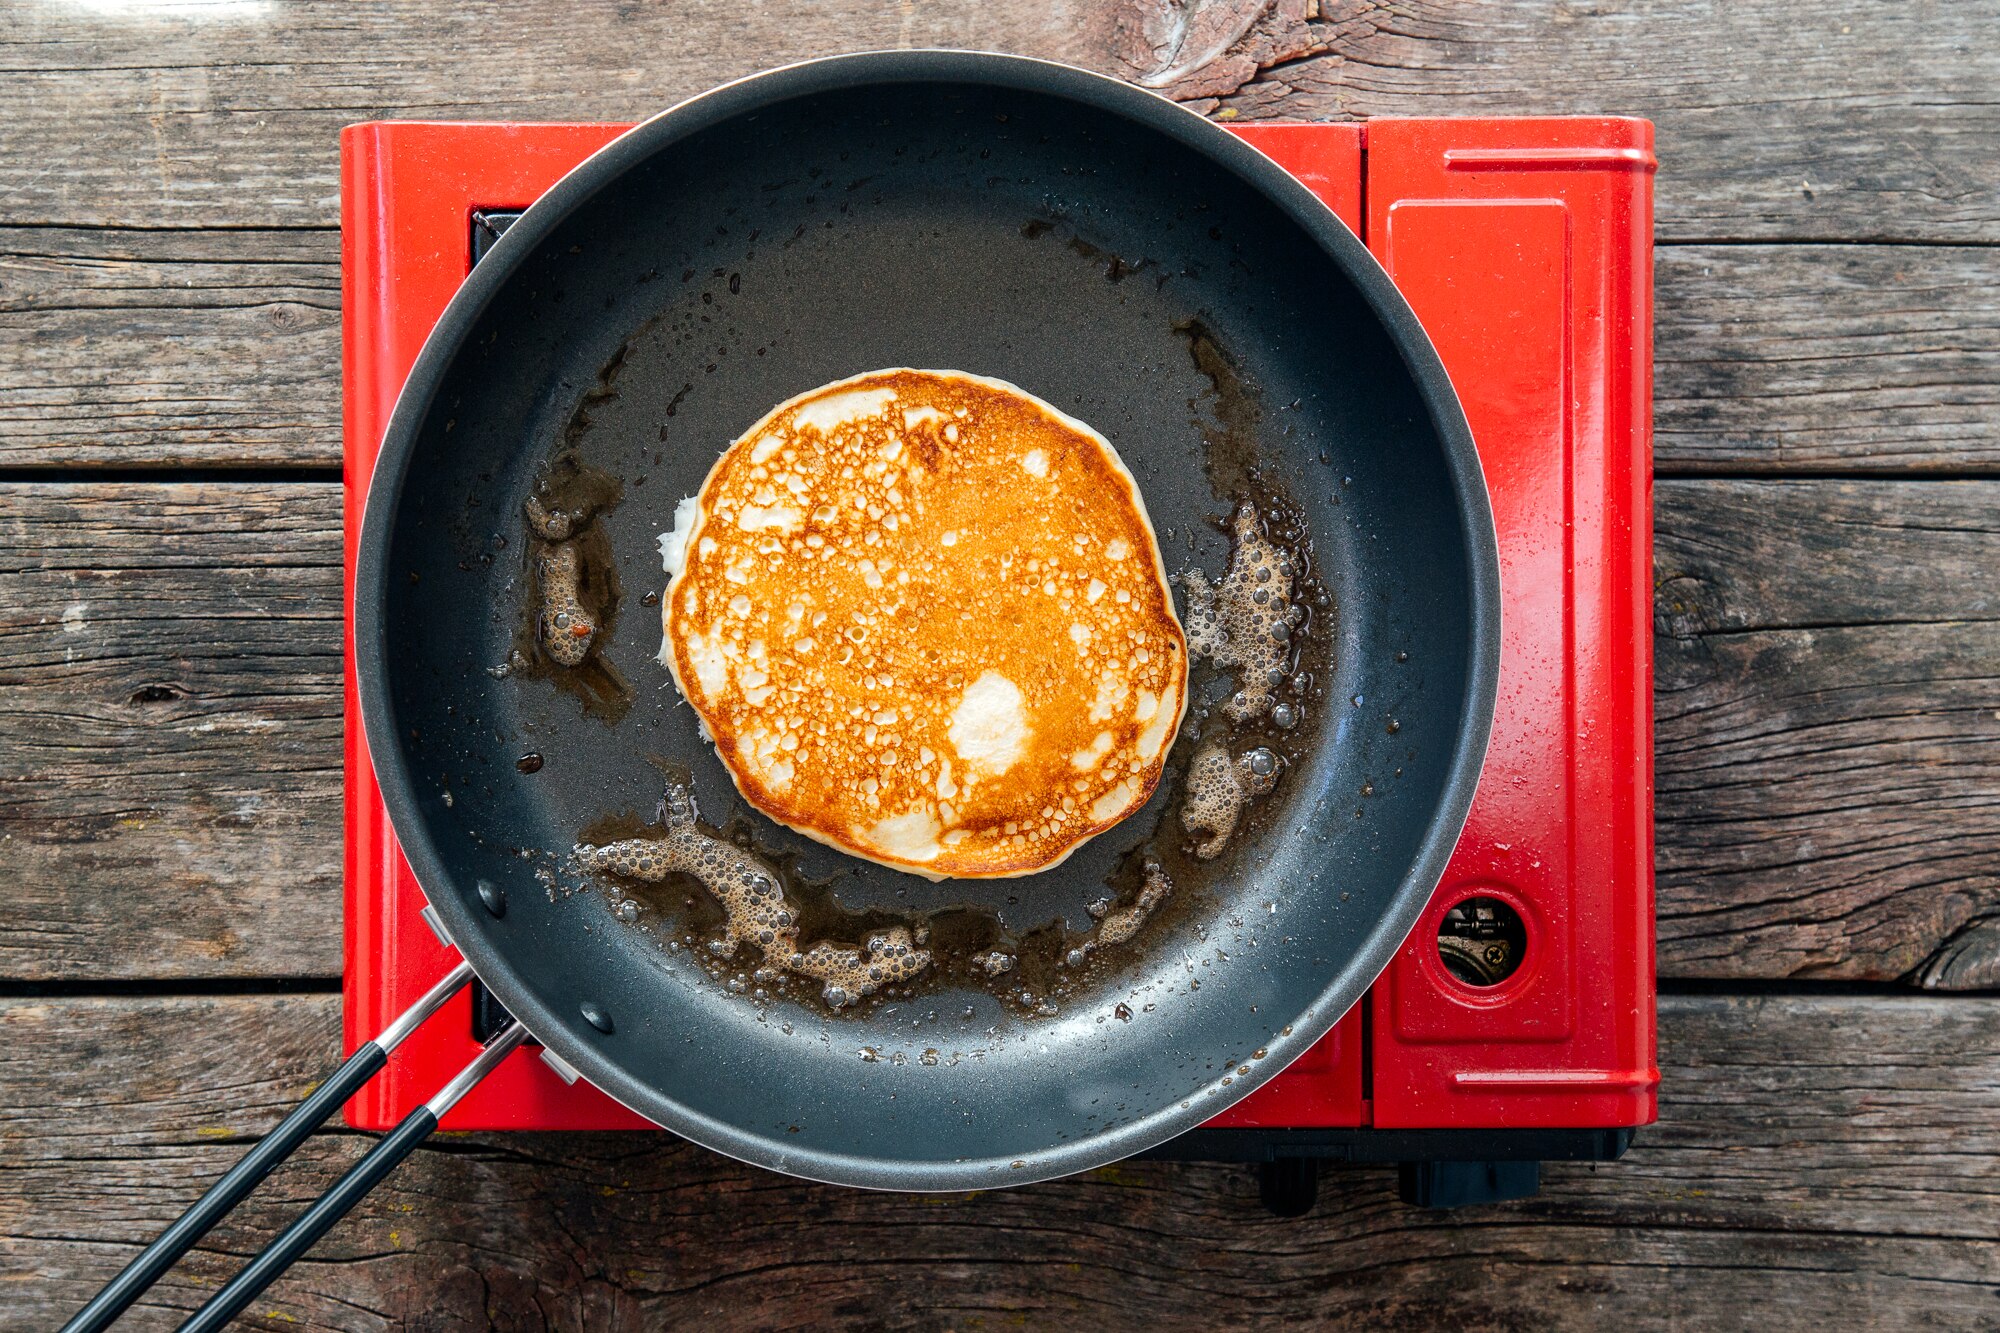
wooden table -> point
(1828, 615)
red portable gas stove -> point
(1517, 1022)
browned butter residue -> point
(755, 909)
(574, 588)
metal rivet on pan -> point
(595, 1016)
(493, 896)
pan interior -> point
(1013, 234)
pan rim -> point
(561, 1035)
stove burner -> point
(1525, 248)
(1482, 941)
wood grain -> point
(1829, 721)
(175, 116)
(1828, 737)
(170, 730)
(1835, 1159)
(1777, 121)
(1746, 555)
(1828, 718)
(1826, 804)
(1813, 358)
(130, 348)
(1845, 120)
(169, 347)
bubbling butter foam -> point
(1246, 621)
(1249, 623)
(1220, 787)
(754, 906)
(564, 626)
(1121, 923)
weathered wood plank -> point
(1834, 121)
(170, 730)
(1842, 120)
(1828, 738)
(1747, 555)
(1826, 358)
(1782, 1177)
(143, 117)
(169, 348)
(1826, 804)
(199, 348)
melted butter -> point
(1248, 623)
(1245, 621)
(878, 956)
(1122, 923)
(1220, 787)
(755, 908)
(1226, 775)
(573, 587)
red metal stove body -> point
(1525, 247)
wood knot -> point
(1685, 606)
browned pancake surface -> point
(924, 618)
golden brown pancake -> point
(924, 619)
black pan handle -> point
(352, 1188)
(273, 1148)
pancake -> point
(924, 619)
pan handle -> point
(272, 1149)
(351, 1189)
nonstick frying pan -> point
(1118, 257)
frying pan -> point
(1118, 257)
